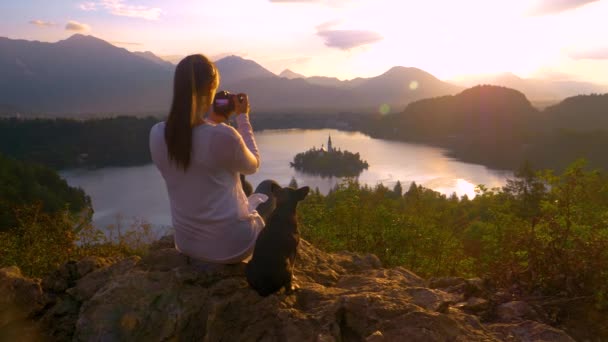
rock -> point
(20, 299)
(87, 286)
(166, 241)
(515, 311)
(342, 297)
(474, 305)
(446, 283)
(476, 287)
(529, 331)
(67, 275)
(375, 337)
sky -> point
(553, 39)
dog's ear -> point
(302, 192)
(275, 189)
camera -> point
(224, 104)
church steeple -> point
(329, 146)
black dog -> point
(271, 267)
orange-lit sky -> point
(563, 39)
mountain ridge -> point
(85, 74)
(536, 89)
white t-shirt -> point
(209, 210)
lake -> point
(139, 192)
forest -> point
(29, 184)
(499, 128)
(489, 125)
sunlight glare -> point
(384, 109)
(465, 187)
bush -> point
(542, 233)
(40, 242)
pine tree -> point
(398, 189)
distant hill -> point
(537, 90)
(477, 114)
(154, 58)
(290, 74)
(78, 75)
(271, 92)
(498, 127)
(483, 124)
(234, 69)
(581, 113)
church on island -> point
(329, 162)
(329, 148)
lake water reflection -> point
(139, 192)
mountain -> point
(581, 112)
(154, 58)
(84, 74)
(290, 74)
(234, 69)
(537, 90)
(328, 81)
(484, 124)
(481, 113)
(397, 87)
(81, 74)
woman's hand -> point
(242, 105)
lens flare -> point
(384, 109)
(413, 85)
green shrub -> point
(543, 233)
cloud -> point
(346, 39)
(126, 43)
(544, 7)
(598, 53)
(300, 1)
(42, 23)
(88, 6)
(76, 26)
(328, 25)
(118, 7)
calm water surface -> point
(139, 192)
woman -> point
(200, 161)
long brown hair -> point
(196, 79)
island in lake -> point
(329, 162)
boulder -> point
(515, 311)
(342, 297)
(528, 331)
(21, 298)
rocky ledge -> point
(342, 297)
